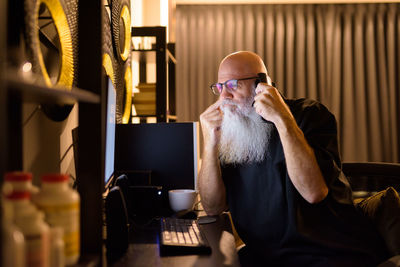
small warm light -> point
(151, 119)
(135, 120)
(27, 67)
(134, 113)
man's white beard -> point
(244, 136)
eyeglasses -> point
(230, 85)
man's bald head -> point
(240, 64)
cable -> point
(38, 107)
(74, 184)
(65, 153)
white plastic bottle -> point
(19, 181)
(17, 191)
(13, 241)
(19, 201)
(36, 234)
(29, 220)
(57, 256)
(61, 205)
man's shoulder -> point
(304, 104)
(301, 105)
(307, 111)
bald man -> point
(274, 163)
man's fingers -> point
(264, 97)
(216, 113)
(212, 110)
(262, 87)
(211, 118)
(265, 88)
(216, 105)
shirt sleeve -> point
(320, 130)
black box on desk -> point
(117, 223)
(145, 201)
(169, 150)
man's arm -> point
(301, 163)
(211, 186)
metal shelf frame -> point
(165, 93)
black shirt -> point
(278, 225)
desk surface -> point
(144, 248)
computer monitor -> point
(110, 133)
(166, 152)
(115, 213)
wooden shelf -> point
(144, 50)
(32, 91)
(172, 117)
(169, 117)
(144, 116)
(155, 54)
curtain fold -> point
(344, 55)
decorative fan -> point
(127, 99)
(108, 67)
(51, 27)
(121, 28)
(109, 63)
(121, 36)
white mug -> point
(182, 199)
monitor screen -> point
(158, 154)
(110, 132)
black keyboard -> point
(182, 237)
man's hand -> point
(269, 104)
(211, 186)
(211, 120)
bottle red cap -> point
(55, 177)
(15, 195)
(18, 176)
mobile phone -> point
(262, 77)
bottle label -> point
(67, 217)
(36, 250)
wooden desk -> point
(144, 248)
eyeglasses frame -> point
(224, 83)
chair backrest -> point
(366, 178)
